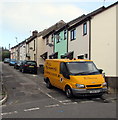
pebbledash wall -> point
(103, 43)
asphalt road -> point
(28, 97)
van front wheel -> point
(68, 92)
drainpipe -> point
(67, 38)
(89, 39)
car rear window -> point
(31, 63)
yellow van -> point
(75, 77)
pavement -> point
(3, 94)
(3, 91)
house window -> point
(65, 34)
(34, 45)
(84, 28)
(86, 55)
(58, 38)
(47, 41)
(73, 34)
(52, 38)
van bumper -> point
(89, 92)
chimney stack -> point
(34, 33)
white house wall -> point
(81, 44)
(103, 41)
(23, 52)
(40, 49)
(32, 50)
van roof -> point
(67, 60)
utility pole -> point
(9, 47)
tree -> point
(4, 53)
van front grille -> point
(93, 85)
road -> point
(28, 97)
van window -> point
(63, 67)
(82, 68)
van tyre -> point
(48, 84)
(68, 92)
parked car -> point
(6, 60)
(12, 62)
(28, 66)
(17, 64)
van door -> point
(62, 79)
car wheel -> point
(68, 92)
(48, 84)
(23, 71)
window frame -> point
(85, 28)
(34, 45)
(52, 38)
(73, 34)
(65, 34)
(47, 40)
(58, 38)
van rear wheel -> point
(48, 84)
(68, 92)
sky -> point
(18, 18)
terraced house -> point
(61, 38)
(31, 46)
(48, 41)
(104, 41)
(22, 50)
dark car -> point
(18, 64)
(6, 60)
(28, 66)
(12, 62)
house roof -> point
(86, 17)
(54, 27)
(41, 33)
(70, 23)
(30, 39)
(112, 5)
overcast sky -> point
(19, 19)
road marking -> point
(34, 75)
(8, 76)
(31, 109)
(49, 95)
(70, 103)
(43, 82)
(87, 101)
(9, 113)
(65, 101)
(49, 106)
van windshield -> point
(82, 68)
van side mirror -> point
(100, 70)
(66, 75)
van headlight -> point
(80, 86)
(104, 84)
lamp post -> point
(18, 50)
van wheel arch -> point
(68, 91)
(48, 84)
